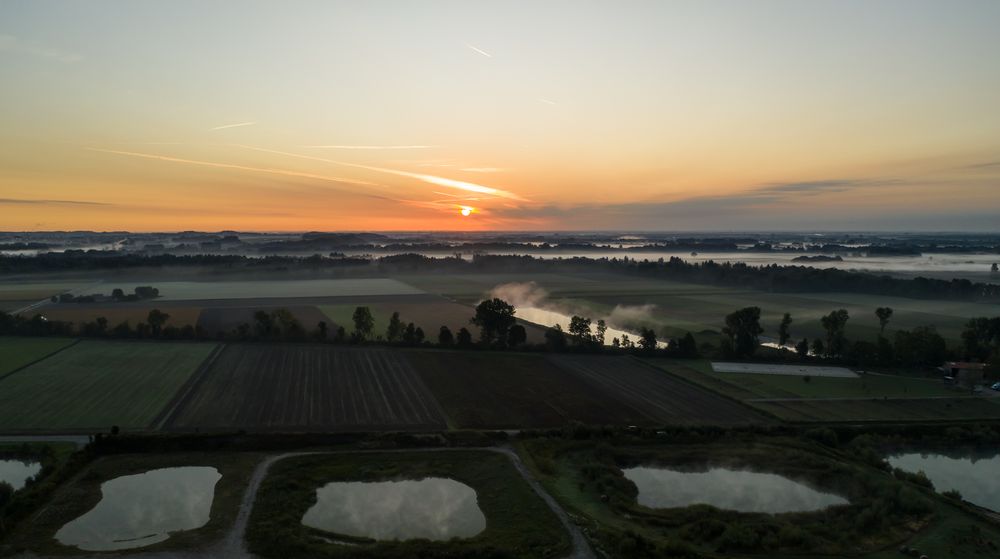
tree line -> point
(767, 278)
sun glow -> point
(466, 211)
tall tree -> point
(156, 319)
(802, 348)
(445, 337)
(395, 329)
(516, 336)
(783, 329)
(647, 339)
(464, 338)
(834, 324)
(743, 330)
(883, 314)
(321, 330)
(364, 322)
(579, 328)
(493, 317)
(602, 329)
(555, 338)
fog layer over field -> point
(534, 305)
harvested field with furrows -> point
(655, 392)
(308, 388)
(491, 390)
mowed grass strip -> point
(309, 388)
(18, 352)
(882, 410)
(500, 390)
(96, 384)
(656, 393)
(518, 523)
(867, 386)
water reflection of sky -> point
(976, 478)
(142, 509)
(737, 490)
(431, 508)
(16, 472)
(546, 317)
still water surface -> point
(143, 509)
(723, 488)
(16, 472)
(549, 318)
(432, 508)
(976, 477)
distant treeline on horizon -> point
(771, 277)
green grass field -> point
(869, 398)
(97, 384)
(18, 352)
(868, 386)
(518, 523)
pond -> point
(975, 476)
(143, 509)
(431, 508)
(16, 472)
(737, 490)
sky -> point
(500, 115)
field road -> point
(233, 544)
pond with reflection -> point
(16, 472)
(975, 476)
(431, 508)
(738, 490)
(143, 509)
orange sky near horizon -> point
(562, 116)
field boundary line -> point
(169, 413)
(40, 359)
(752, 408)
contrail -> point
(480, 51)
(432, 179)
(370, 147)
(224, 126)
(547, 101)
(281, 172)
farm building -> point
(964, 373)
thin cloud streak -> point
(11, 43)
(237, 125)
(431, 179)
(479, 50)
(60, 202)
(369, 147)
(281, 172)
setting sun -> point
(466, 211)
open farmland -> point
(307, 387)
(870, 397)
(18, 352)
(779, 369)
(875, 410)
(205, 290)
(95, 384)
(685, 307)
(511, 390)
(655, 393)
(15, 296)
